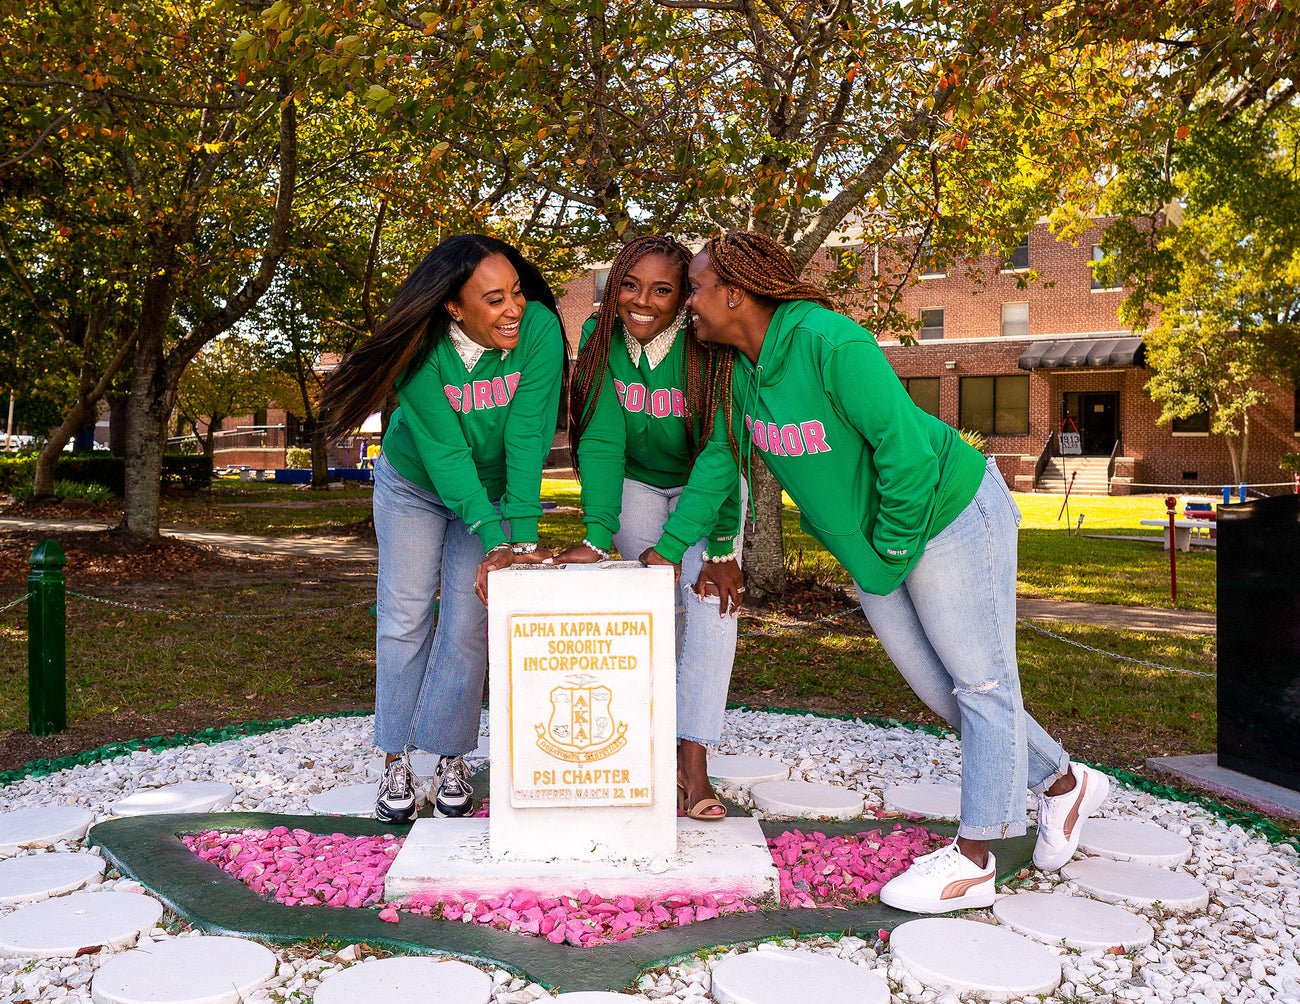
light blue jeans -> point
(706, 642)
(428, 683)
(950, 628)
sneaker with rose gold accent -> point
(941, 882)
(1060, 817)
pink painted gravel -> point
(295, 867)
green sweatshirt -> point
(874, 477)
(638, 431)
(476, 436)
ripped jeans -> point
(950, 628)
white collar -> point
(657, 349)
(470, 351)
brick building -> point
(1020, 365)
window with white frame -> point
(931, 323)
(1018, 258)
(602, 277)
(1097, 255)
(1015, 320)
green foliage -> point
(93, 469)
(77, 490)
(297, 456)
(975, 439)
(15, 469)
(186, 471)
(1290, 462)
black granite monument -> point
(1259, 639)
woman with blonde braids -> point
(640, 411)
(922, 522)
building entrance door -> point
(1097, 416)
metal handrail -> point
(1114, 452)
(1044, 457)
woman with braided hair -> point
(473, 344)
(640, 411)
(922, 522)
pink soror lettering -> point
(774, 439)
(482, 393)
(679, 403)
(634, 400)
(791, 440)
(661, 403)
(500, 396)
(453, 396)
(814, 437)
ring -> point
(741, 589)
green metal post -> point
(47, 700)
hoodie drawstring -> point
(745, 462)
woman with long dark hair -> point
(474, 346)
(641, 407)
(922, 522)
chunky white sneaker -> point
(453, 794)
(940, 882)
(395, 800)
(1060, 817)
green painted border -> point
(149, 849)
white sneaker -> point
(940, 882)
(1060, 817)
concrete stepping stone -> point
(1072, 921)
(34, 877)
(347, 800)
(430, 981)
(766, 977)
(929, 799)
(42, 825)
(1137, 884)
(744, 769)
(60, 927)
(187, 796)
(806, 800)
(1134, 840)
(201, 970)
(968, 957)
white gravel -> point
(1243, 948)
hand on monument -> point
(652, 557)
(542, 556)
(724, 580)
(579, 554)
(495, 560)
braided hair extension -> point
(593, 358)
(760, 266)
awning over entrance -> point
(1053, 352)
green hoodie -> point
(475, 436)
(638, 431)
(874, 477)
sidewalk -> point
(341, 549)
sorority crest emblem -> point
(581, 727)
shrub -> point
(93, 469)
(1290, 462)
(77, 490)
(296, 456)
(16, 469)
(189, 472)
(975, 439)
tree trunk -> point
(117, 407)
(320, 464)
(1231, 442)
(764, 556)
(148, 411)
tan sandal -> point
(697, 811)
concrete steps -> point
(1090, 478)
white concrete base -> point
(1134, 840)
(190, 796)
(967, 957)
(59, 928)
(806, 800)
(765, 977)
(450, 858)
(742, 769)
(1137, 884)
(407, 978)
(42, 826)
(348, 800)
(34, 877)
(929, 799)
(198, 970)
(1072, 921)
